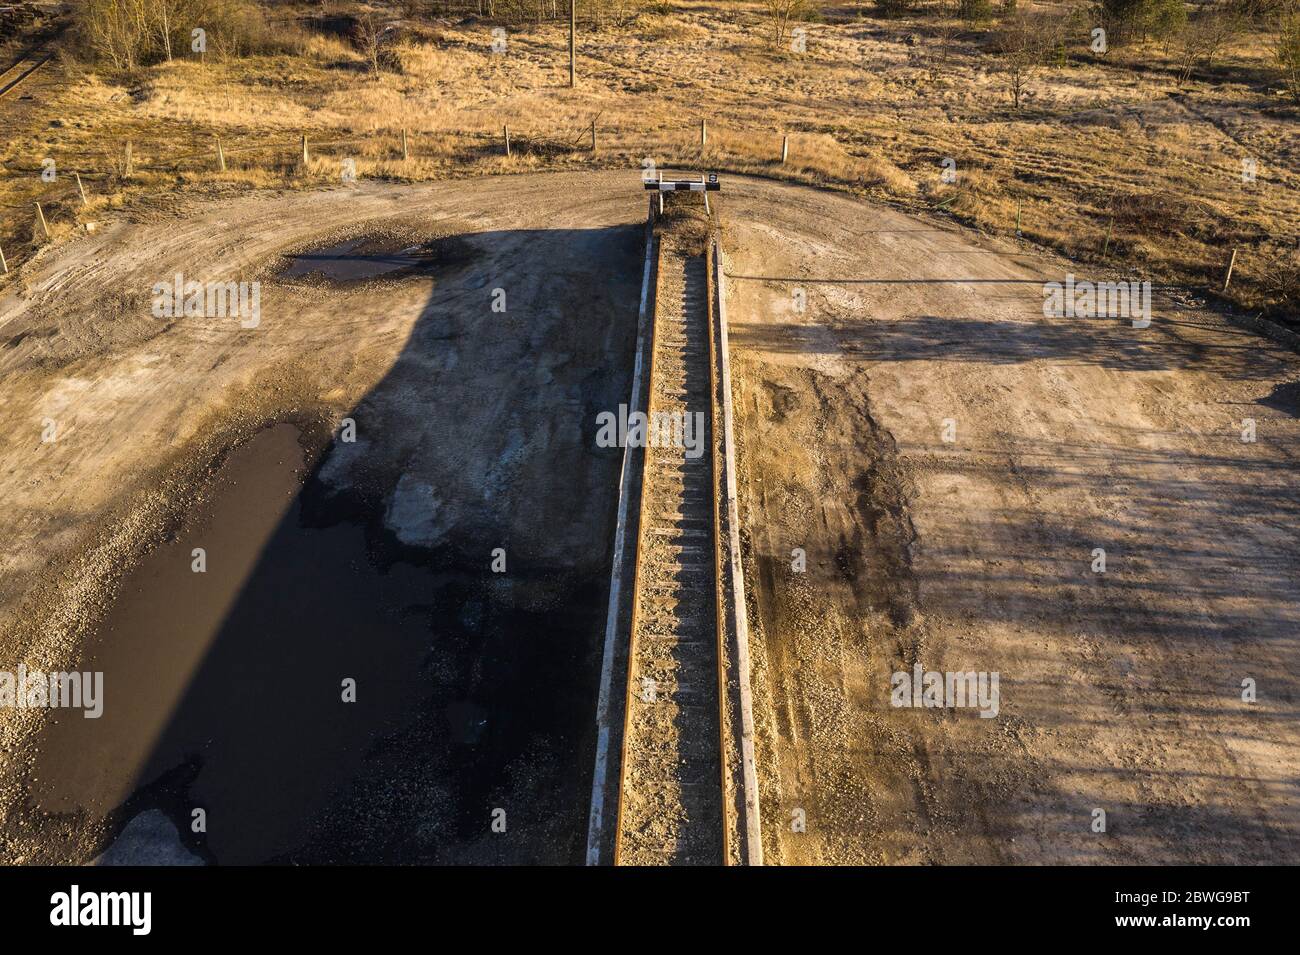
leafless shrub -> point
(1017, 54)
(1163, 212)
(1286, 52)
(127, 34)
(1205, 38)
(1028, 40)
(370, 40)
(1282, 282)
(781, 12)
(938, 55)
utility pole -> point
(573, 43)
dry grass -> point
(1108, 157)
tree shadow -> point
(1170, 342)
(1171, 575)
(474, 685)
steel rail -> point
(28, 72)
(720, 622)
(636, 571)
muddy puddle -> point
(224, 690)
(372, 257)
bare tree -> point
(1205, 38)
(1018, 50)
(782, 12)
(938, 55)
(114, 31)
(1286, 51)
(1030, 39)
(370, 36)
(134, 33)
(165, 28)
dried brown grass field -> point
(1112, 159)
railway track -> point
(673, 786)
(23, 67)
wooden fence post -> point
(406, 152)
(4, 266)
(221, 156)
(1105, 247)
(128, 164)
(593, 135)
(40, 217)
(1231, 262)
(306, 155)
(573, 43)
(704, 133)
(785, 149)
(505, 132)
(81, 189)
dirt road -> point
(1119, 691)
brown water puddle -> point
(351, 261)
(372, 257)
(237, 672)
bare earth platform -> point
(860, 339)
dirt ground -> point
(1119, 691)
(474, 430)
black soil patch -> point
(365, 258)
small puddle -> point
(370, 257)
(350, 262)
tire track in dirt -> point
(1118, 689)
